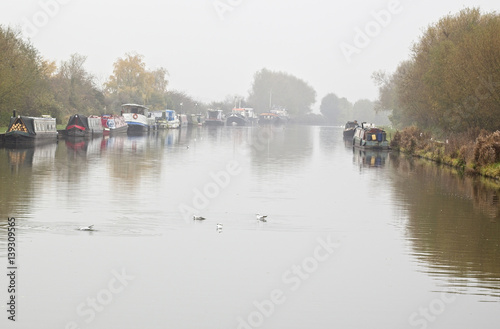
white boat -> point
(138, 118)
(173, 121)
(183, 119)
(214, 118)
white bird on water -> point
(219, 227)
(262, 218)
(87, 228)
(198, 217)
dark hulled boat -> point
(349, 129)
(83, 126)
(31, 130)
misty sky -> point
(212, 48)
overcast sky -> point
(212, 48)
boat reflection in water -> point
(84, 147)
(369, 158)
(31, 156)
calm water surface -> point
(354, 239)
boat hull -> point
(363, 143)
(138, 123)
(209, 122)
(235, 120)
(370, 138)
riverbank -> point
(474, 152)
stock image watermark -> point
(292, 278)
(429, 314)
(48, 9)
(220, 180)
(87, 310)
(11, 269)
(363, 36)
(223, 7)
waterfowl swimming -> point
(198, 218)
(219, 227)
(262, 218)
(87, 228)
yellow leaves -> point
(133, 81)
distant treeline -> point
(33, 85)
(451, 83)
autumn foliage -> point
(451, 82)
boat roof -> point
(134, 105)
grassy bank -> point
(473, 152)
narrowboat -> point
(138, 118)
(83, 126)
(160, 119)
(214, 118)
(195, 120)
(267, 118)
(349, 129)
(183, 120)
(113, 124)
(369, 136)
(30, 130)
(241, 117)
(283, 117)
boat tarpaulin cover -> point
(27, 122)
(78, 120)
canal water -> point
(353, 239)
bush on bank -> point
(474, 151)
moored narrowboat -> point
(31, 130)
(349, 129)
(113, 124)
(83, 126)
(369, 136)
(268, 118)
(214, 118)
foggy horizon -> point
(212, 48)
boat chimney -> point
(14, 113)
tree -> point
(183, 103)
(451, 80)
(132, 82)
(279, 90)
(336, 110)
(23, 84)
(75, 89)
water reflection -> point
(395, 218)
(452, 225)
(369, 158)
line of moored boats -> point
(133, 119)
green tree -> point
(279, 90)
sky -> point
(213, 48)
